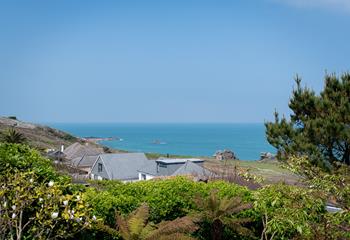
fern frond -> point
(123, 228)
(176, 236)
(236, 225)
(180, 225)
(147, 231)
(238, 208)
(138, 219)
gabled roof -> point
(85, 161)
(78, 150)
(190, 168)
(123, 166)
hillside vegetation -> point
(38, 136)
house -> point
(56, 155)
(172, 167)
(77, 150)
(84, 163)
(225, 155)
(118, 166)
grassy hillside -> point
(38, 136)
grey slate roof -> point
(78, 150)
(150, 168)
(85, 161)
(123, 166)
(190, 168)
(178, 160)
(186, 168)
(56, 154)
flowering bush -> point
(39, 210)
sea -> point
(246, 140)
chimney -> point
(62, 148)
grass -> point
(159, 155)
(270, 171)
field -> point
(270, 171)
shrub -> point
(21, 157)
(167, 199)
(34, 209)
(286, 211)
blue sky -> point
(165, 61)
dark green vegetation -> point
(319, 126)
(44, 198)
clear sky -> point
(165, 61)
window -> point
(143, 176)
(99, 167)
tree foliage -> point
(319, 125)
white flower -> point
(48, 195)
(94, 218)
(5, 204)
(78, 198)
(13, 215)
(79, 219)
(31, 180)
(13, 207)
(54, 215)
(40, 199)
(65, 203)
(50, 183)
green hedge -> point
(168, 199)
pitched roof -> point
(187, 168)
(190, 168)
(123, 166)
(150, 168)
(85, 161)
(56, 154)
(78, 150)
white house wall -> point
(148, 177)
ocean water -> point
(246, 140)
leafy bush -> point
(287, 211)
(21, 157)
(167, 199)
(33, 209)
